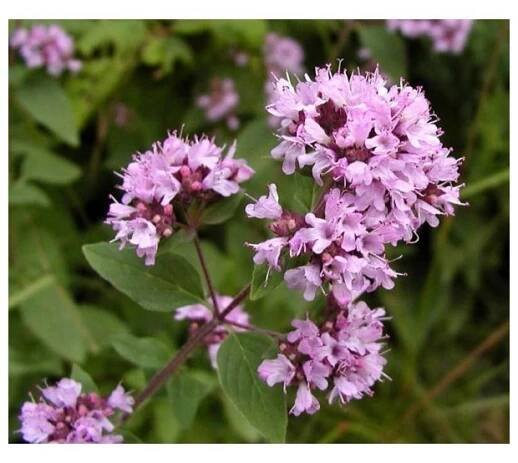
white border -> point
(301, 9)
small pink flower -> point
(279, 370)
(305, 278)
(305, 401)
(121, 400)
(266, 207)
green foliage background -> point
(449, 353)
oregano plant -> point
(370, 170)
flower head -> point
(64, 414)
(378, 152)
(221, 102)
(174, 172)
(47, 47)
(342, 356)
(447, 35)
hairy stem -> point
(206, 275)
(186, 350)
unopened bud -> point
(168, 209)
(156, 218)
(185, 171)
(326, 257)
(141, 207)
(328, 325)
(167, 232)
(196, 186)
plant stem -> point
(186, 350)
(206, 275)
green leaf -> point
(44, 99)
(165, 424)
(172, 282)
(387, 49)
(22, 194)
(178, 239)
(238, 422)
(143, 352)
(55, 320)
(126, 36)
(186, 391)
(32, 361)
(102, 324)
(22, 294)
(305, 192)
(227, 31)
(221, 210)
(34, 267)
(41, 164)
(164, 52)
(81, 376)
(264, 407)
(260, 285)
(135, 379)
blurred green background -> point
(449, 350)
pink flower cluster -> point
(46, 46)
(447, 35)
(65, 415)
(377, 153)
(221, 102)
(343, 356)
(173, 173)
(199, 314)
(344, 248)
(281, 55)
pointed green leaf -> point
(55, 320)
(143, 352)
(172, 282)
(263, 282)
(43, 165)
(81, 376)
(387, 49)
(103, 324)
(222, 210)
(264, 407)
(45, 100)
(186, 391)
(22, 193)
